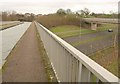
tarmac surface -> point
(25, 63)
(88, 46)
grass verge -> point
(89, 40)
(65, 31)
(5, 26)
(104, 27)
(107, 58)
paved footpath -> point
(25, 64)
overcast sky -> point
(51, 6)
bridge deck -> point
(102, 20)
(25, 63)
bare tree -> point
(68, 11)
(4, 16)
(61, 12)
(85, 12)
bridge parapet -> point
(95, 21)
(69, 64)
(101, 20)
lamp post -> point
(80, 28)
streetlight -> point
(80, 28)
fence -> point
(69, 64)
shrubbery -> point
(53, 20)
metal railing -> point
(69, 64)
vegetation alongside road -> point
(89, 40)
(65, 31)
(108, 58)
(54, 20)
(8, 25)
(103, 27)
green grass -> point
(5, 26)
(70, 30)
(65, 31)
(64, 28)
(107, 26)
(89, 40)
(113, 67)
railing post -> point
(89, 76)
(84, 74)
(79, 71)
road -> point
(10, 37)
(100, 41)
(25, 63)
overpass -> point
(95, 21)
(68, 63)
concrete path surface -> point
(25, 63)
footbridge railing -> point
(69, 64)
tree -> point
(68, 11)
(4, 16)
(86, 11)
(93, 14)
(113, 14)
(32, 17)
(77, 13)
(13, 16)
(61, 12)
(82, 12)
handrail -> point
(62, 56)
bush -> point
(52, 20)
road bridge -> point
(95, 21)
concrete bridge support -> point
(94, 26)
